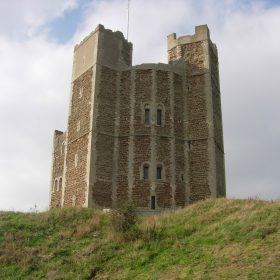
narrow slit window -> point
(159, 116)
(76, 160)
(146, 172)
(159, 172)
(182, 177)
(60, 184)
(81, 92)
(153, 202)
(147, 116)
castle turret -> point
(101, 49)
(203, 129)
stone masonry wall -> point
(174, 53)
(124, 114)
(106, 100)
(76, 171)
(195, 56)
(57, 169)
(163, 149)
(180, 193)
(198, 138)
(78, 139)
(218, 128)
(142, 142)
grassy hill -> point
(213, 239)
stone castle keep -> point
(149, 134)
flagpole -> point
(128, 8)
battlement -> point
(104, 47)
(201, 33)
(177, 68)
(101, 28)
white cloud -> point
(250, 60)
(35, 82)
(23, 18)
(35, 85)
(33, 102)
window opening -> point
(153, 202)
(147, 116)
(159, 169)
(159, 116)
(146, 172)
(81, 92)
(63, 148)
(190, 144)
(60, 184)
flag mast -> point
(128, 8)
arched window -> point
(147, 114)
(60, 184)
(145, 171)
(159, 116)
(55, 184)
(159, 172)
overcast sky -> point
(36, 47)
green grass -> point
(213, 239)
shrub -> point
(123, 218)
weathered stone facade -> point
(148, 134)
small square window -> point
(159, 169)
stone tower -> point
(148, 134)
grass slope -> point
(213, 239)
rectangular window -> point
(147, 116)
(153, 202)
(159, 116)
(159, 172)
(146, 172)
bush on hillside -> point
(123, 217)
